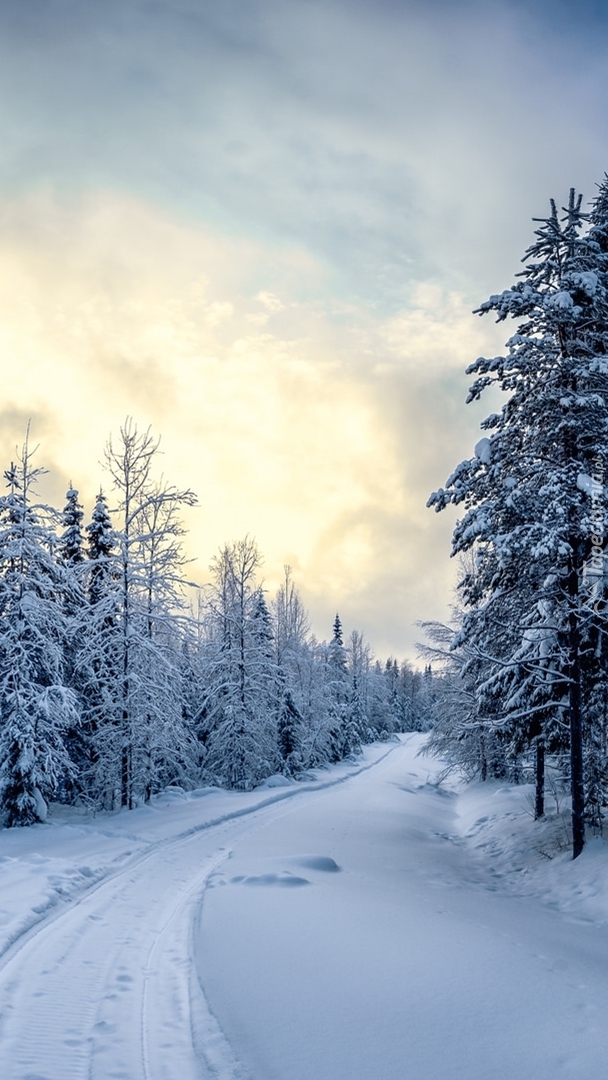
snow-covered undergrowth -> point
(495, 823)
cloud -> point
(320, 430)
(261, 228)
(395, 143)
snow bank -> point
(495, 823)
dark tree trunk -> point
(539, 801)
(125, 777)
(577, 786)
(483, 761)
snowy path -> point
(408, 963)
(341, 933)
(104, 986)
(79, 996)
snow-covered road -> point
(348, 932)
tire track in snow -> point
(76, 998)
(57, 910)
(184, 999)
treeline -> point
(527, 660)
(113, 684)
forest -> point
(120, 677)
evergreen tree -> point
(360, 670)
(70, 555)
(463, 731)
(355, 728)
(101, 551)
(98, 660)
(312, 695)
(528, 492)
(289, 734)
(337, 689)
(263, 658)
(337, 659)
(36, 706)
(70, 545)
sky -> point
(260, 228)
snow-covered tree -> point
(101, 551)
(70, 547)
(462, 733)
(241, 705)
(394, 711)
(289, 733)
(337, 660)
(165, 743)
(292, 626)
(70, 554)
(97, 662)
(528, 493)
(338, 691)
(148, 597)
(36, 705)
(263, 651)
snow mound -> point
(276, 781)
(284, 879)
(171, 794)
(531, 858)
(316, 862)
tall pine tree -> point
(528, 493)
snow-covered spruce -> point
(36, 706)
(534, 625)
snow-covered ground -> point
(368, 925)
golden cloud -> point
(314, 424)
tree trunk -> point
(576, 727)
(539, 802)
(125, 774)
(483, 761)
